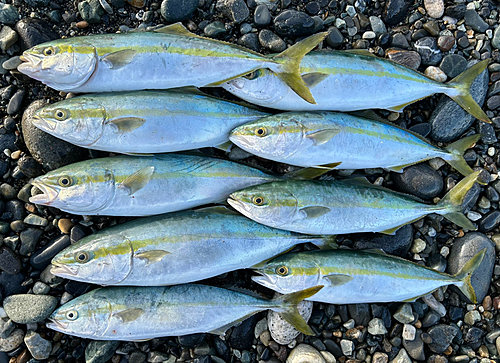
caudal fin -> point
(451, 204)
(465, 274)
(286, 306)
(290, 60)
(462, 84)
(457, 150)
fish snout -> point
(43, 124)
(62, 270)
(31, 63)
(47, 195)
(56, 325)
(265, 280)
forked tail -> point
(456, 151)
(465, 274)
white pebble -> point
(3, 314)
(409, 332)
(491, 151)
(474, 216)
(436, 163)
(347, 347)
(431, 232)
(349, 324)
(445, 251)
(369, 35)
(304, 353)
(282, 331)
(418, 245)
(329, 357)
(435, 73)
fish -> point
(340, 207)
(355, 277)
(354, 80)
(175, 248)
(142, 313)
(167, 57)
(146, 185)
(144, 122)
(314, 139)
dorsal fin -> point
(363, 52)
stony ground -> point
(440, 39)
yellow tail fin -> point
(465, 274)
(457, 150)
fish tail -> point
(456, 151)
(464, 275)
(290, 60)
(460, 90)
(286, 306)
(325, 242)
(450, 206)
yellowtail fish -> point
(141, 185)
(175, 248)
(140, 313)
(354, 277)
(333, 207)
(354, 80)
(167, 57)
(145, 122)
(314, 139)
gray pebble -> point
(407, 58)
(8, 37)
(495, 42)
(39, 348)
(442, 335)
(29, 238)
(376, 327)
(235, 10)
(261, 16)
(13, 341)
(429, 51)
(293, 23)
(377, 25)
(402, 357)
(8, 14)
(6, 327)
(347, 347)
(453, 65)
(415, 347)
(271, 41)
(334, 37)
(34, 220)
(177, 10)
(434, 8)
(420, 180)
(11, 63)
(251, 41)
(473, 20)
(15, 102)
(100, 351)
(29, 308)
(91, 11)
(214, 29)
(398, 40)
(40, 288)
(404, 314)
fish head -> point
(78, 120)
(273, 136)
(288, 273)
(86, 316)
(61, 64)
(102, 258)
(270, 204)
(262, 87)
(79, 188)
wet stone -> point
(7, 38)
(463, 250)
(396, 11)
(407, 58)
(305, 353)
(29, 238)
(334, 37)
(397, 244)
(261, 16)
(34, 31)
(293, 23)
(9, 262)
(15, 102)
(442, 335)
(420, 180)
(6, 327)
(29, 308)
(39, 348)
(453, 65)
(100, 351)
(490, 221)
(473, 20)
(178, 10)
(214, 29)
(429, 51)
(13, 341)
(91, 11)
(235, 10)
(42, 257)
(271, 41)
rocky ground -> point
(440, 39)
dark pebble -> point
(382, 312)
(430, 319)
(77, 233)
(7, 191)
(312, 7)
(191, 340)
(250, 40)
(466, 247)
(455, 313)
(262, 16)
(10, 124)
(33, 31)
(395, 11)
(29, 166)
(488, 135)
(8, 14)
(437, 262)
(293, 23)
(41, 258)
(7, 141)
(16, 208)
(360, 313)
(9, 262)
(137, 357)
(473, 20)
(76, 288)
(429, 52)
(490, 221)
(334, 37)
(442, 335)
(420, 180)
(453, 65)
(29, 238)
(91, 11)
(449, 120)
(407, 58)
(473, 335)
(214, 29)
(415, 348)
(222, 349)
(49, 151)
(178, 10)
(271, 41)
(100, 351)
(423, 129)
(398, 244)
(456, 11)
(445, 42)
(493, 102)
(242, 336)
(11, 284)
(235, 10)
(15, 102)
(398, 40)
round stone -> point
(435, 73)
(271, 41)
(434, 8)
(178, 10)
(305, 353)
(13, 341)
(420, 180)
(28, 308)
(261, 16)
(376, 327)
(453, 65)
(293, 23)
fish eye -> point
(282, 270)
(48, 51)
(82, 257)
(253, 75)
(72, 315)
(261, 131)
(64, 181)
(258, 200)
(60, 115)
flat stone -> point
(29, 238)
(407, 58)
(396, 11)
(453, 65)
(8, 37)
(415, 347)
(490, 221)
(235, 10)
(39, 348)
(466, 247)
(42, 257)
(8, 14)
(293, 23)
(442, 335)
(305, 353)
(14, 340)
(402, 357)
(434, 8)
(178, 10)
(100, 351)
(429, 51)
(282, 331)
(91, 11)
(15, 102)
(420, 180)
(6, 327)
(29, 308)
(377, 25)
(271, 41)
(376, 327)
(9, 262)
(33, 31)
(473, 20)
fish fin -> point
(323, 136)
(451, 204)
(338, 279)
(314, 212)
(290, 61)
(139, 340)
(376, 251)
(327, 167)
(463, 83)
(311, 173)
(127, 124)
(120, 58)
(286, 306)
(152, 256)
(138, 180)
(219, 209)
(129, 315)
(136, 154)
(176, 29)
(325, 242)
(371, 115)
(226, 146)
(313, 79)
(457, 150)
(465, 274)
(364, 52)
(392, 231)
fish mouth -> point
(236, 204)
(56, 325)
(31, 64)
(241, 140)
(62, 270)
(265, 280)
(43, 124)
(48, 195)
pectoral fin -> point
(364, 52)
(152, 256)
(322, 136)
(138, 180)
(313, 79)
(314, 212)
(120, 58)
(127, 124)
(226, 146)
(177, 29)
(338, 279)
(311, 173)
(129, 315)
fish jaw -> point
(48, 196)
(62, 270)
(43, 124)
(31, 65)
(56, 325)
(266, 280)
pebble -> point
(420, 180)
(29, 167)
(8, 37)
(242, 336)
(436, 74)
(42, 257)
(442, 335)
(192, 340)
(379, 357)
(15, 102)
(8, 14)
(293, 23)
(472, 317)
(40, 288)
(235, 10)
(91, 11)
(407, 58)
(261, 16)
(360, 313)
(214, 29)
(429, 51)
(6, 327)
(453, 65)
(490, 221)
(251, 41)
(448, 120)
(377, 25)
(395, 11)
(418, 245)
(282, 331)
(463, 249)
(404, 314)
(376, 327)
(29, 308)
(14, 340)
(334, 38)
(100, 351)
(271, 41)
(398, 40)
(178, 10)
(304, 353)
(434, 8)
(34, 31)
(347, 347)
(29, 238)
(415, 346)
(9, 262)
(446, 42)
(397, 244)
(39, 348)
(475, 21)
(35, 220)
(402, 357)
(495, 42)
(409, 332)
